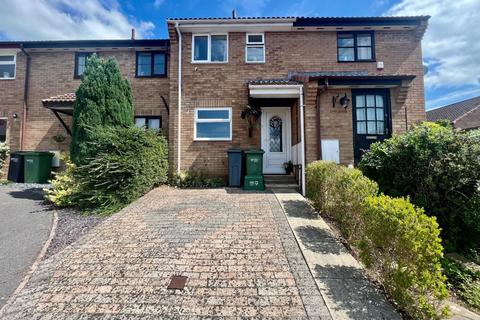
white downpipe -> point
(179, 115)
(302, 137)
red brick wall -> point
(225, 85)
(51, 73)
(11, 102)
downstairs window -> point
(213, 124)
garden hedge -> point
(128, 162)
(394, 238)
(438, 168)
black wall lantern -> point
(342, 101)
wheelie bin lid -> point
(255, 151)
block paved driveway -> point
(236, 249)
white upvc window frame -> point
(209, 47)
(10, 53)
(254, 45)
(229, 120)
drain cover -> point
(177, 282)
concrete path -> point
(236, 249)
(340, 278)
(24, 228)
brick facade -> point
(52, 73)
(224, 85)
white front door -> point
(276, 136)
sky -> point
(451, 45)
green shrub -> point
(3, 154)
(394, 238)
(196, 179)
(64, 186)
(464, 281)
(103, 98)
(402, 245)
(129, 163)
(339, 192)
(437, 168)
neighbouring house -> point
(464, 115)
(326, 87)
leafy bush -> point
(402, 245)
(339, 192)
(438, 169)
(464, 281)
(128, 163)
(64, 186)
(196, 179)
(3, 154)
(103, 98)
(395, 239)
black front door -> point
(371, 119)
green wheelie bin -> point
(254, 170)
(37, 166)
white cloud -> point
(67, 20)
(451, 45)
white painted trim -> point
(179, 129)
(199, 27)
(255, 34)
(209, 47)
(288, 134)
(302, 137)
(14, 62)
(229, 120)
(255, 45)
(274, 92)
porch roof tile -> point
(273, 82)
(65, 98)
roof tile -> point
(453, 111)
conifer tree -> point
(103, 99)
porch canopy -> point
(63, 104)
(277, 93)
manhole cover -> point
(177, 282)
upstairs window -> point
(7, 66)
(149, 122)
(210, 48)
(255, 48)
(355, 46)
(151, 64)
(81, 63)
(213, 124)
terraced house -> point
(326, 88)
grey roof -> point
(339, 18)
(453, 111)
(361, 73)
(273, 82)
(86, 43)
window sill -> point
(209, 62)
(7, 78)
(155, 76)
(357, 61)
(254, 62)
(213, 139)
